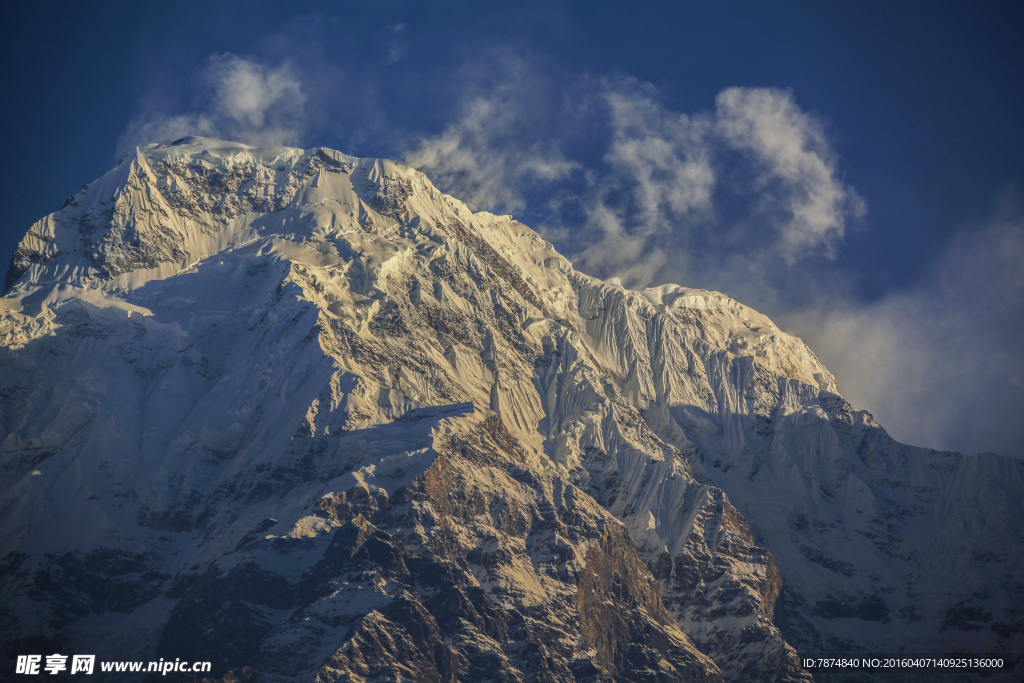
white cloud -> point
(939, 363)
(238, 98)
(253, 97)
(797, 180)
(665, 157)
(657, 188)
(488, 158)
(756, 176)
(756, 180)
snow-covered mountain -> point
(306, 417)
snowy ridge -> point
(312, 394)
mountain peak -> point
(313, 395)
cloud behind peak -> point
(237, 98)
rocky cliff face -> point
(306, 417)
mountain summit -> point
(306, 417)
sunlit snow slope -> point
(307, 417)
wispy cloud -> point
(939, 363)
(663, 158)
(488, 157)
(796, 181)
(754, 176)
(237, 98)
(396, 42)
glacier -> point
(307, 417)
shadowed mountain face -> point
(306, 417)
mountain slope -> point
(303, 413)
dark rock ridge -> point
(449, 562)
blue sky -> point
(851, 169)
